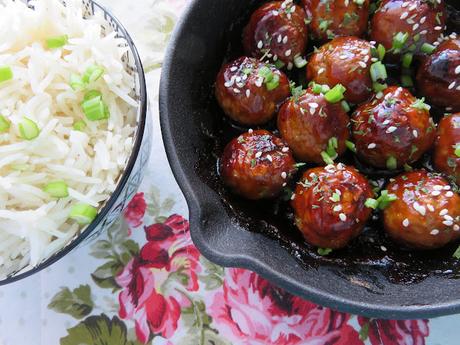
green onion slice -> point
(379, 87)
(428, 48)
(57, 189)
(378, 71)
(28, 129)
(381, 52)
(350, 145)
(273, 83)
(326, 158)
(335, 94)
(371, 203)
(406, 81)
(300, 62)
(385, 199)
(6, 73)
(95, 109)
(79, 125)
(457, 253)
(324, 251)
(421, 105)
(5, 124)
(76, 82)
(83, 213)
(92, 74)
(57, 41)
(399, 40)
(407, 60)
(392, 163)
(92, 94)
(279, 64)
(345, 106)
(332, 146)
(457, 150)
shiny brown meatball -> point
(276, 30)
(447, 143)
(438, 78)
(257, 165)
(426, 214)
(393, 130)
(308, 122)
(329, 205)
(329, 19)
(346, 61)
(245, 95)
(423, 21)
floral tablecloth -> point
(144, 282)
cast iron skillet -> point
(360, 279)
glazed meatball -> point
(346, 61)
(438, 78)
(446, 156)
(426, 214)
(329, 205)
(416, 21)
(277, 31)
(250, 91)
(257, 165)
(393, 130)
(308, 122)
(328, 19)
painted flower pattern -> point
(399, 332)
(134, 213)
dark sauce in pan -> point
(275, 219)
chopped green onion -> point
(420, 104)
(325, 88)
(407, 167)
(299, 165)
(296, 91)
(345, 106)
(407, 60)
(399, 40)
(457, 150)
(323, 24)
(266, 73)
(326, 158)
(279, 64)
(378, 71)
(350, 145)
(381, 52)
(92, 74)
(335, 94)
(392, 163)
(83, 213)
(5, 124)
(406, 81)
(300, 62)
(95, 109)
(274, 83)
(428, 48)
(385, 199)
(412, 48)
(324, 251)
(358, 2)
(371, 203)
(335, 197)
(379, 87)
(76, 82)
(457, 253)
(317, 88)
(416, 37)
(28, 129)
(57, 189)
(332, 146)
(91, 94)
(79, 125)
(57, 41)
(6, 73)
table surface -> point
(145, 283)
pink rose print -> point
(251, 311)
(149, 296)
(135, 211)
(390, 332)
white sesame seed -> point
(372, 146)
(447, 217)
(405, 223)
(343, 57)
(444, 212)
(275, 12)
(293, 197)
(383, 248)
(248, 93)
(235, 90)
(424, 32)
(412, 7)
(275, 57)
(238, 79)
(280, 38)
(415, 133)
(386, 122)
(258, 154)
(313, 105)
(321, 70)
(419, 208)
(260, 44)
(250, 131)
(362, 64)
(234, 69)
(259, 82)
(285, 39)
(438, 28)
(449, 194)
(434, 232)
(436, 193)
(438, 187)
(229, 83)
(405, 4)
(457, 88)
(245, 77)
(430, 207)
(269, 158)
(373, 43)
(283, 175)
(337, 208)
(285, 149)
(288, 52)
(284, 184)
(452, 85)
(391, 129)
(456, 227)
(290, 66)
(448, 223)
(374, 59)
(422, 20)
(416, 26)
(404, 15)
(312, 111)
(342, 217)
(446, 187)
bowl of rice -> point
(74, 129)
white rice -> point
(33, 225)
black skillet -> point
(363, 279)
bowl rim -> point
(245, 260)
(139, 136)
